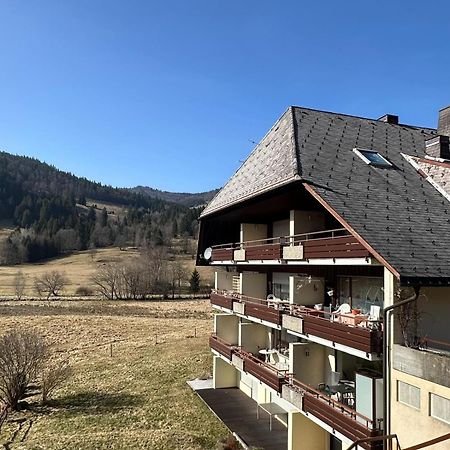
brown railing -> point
(337, 243)
(337, 247)
(265, 372)
(377, 442)
(332, 326)
(222, 299)
(221, 346)
(335, 414)
(254, 307)
(438, 440)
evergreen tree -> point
(194, 281)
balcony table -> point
(270, 408)
(267, 352)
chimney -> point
(389, 118)
(444, 121)
(438, 146)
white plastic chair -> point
(345, 308)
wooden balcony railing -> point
(254, 307)
(337, 243)
(366, 335)
(221, 299)
(221, 346)
(340, 417)
(265, 372)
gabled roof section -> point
(271, 164)
(437, 173)
(400, 215)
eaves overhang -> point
(250, 196)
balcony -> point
(224, 300)
(351, 330)
(247, 306)
(329, 244)
(429, 362)
(246, 361)
(265, 372)
(339, 416)
(221, 346)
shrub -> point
(53, 375)
(22, 354)
(84, 291)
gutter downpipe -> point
(386, 360)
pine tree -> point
(195, 281)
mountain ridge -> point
(189, 199)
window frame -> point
(430, 401)
(384, 164)
(419, 408)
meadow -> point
(79, 267)
(130, 361)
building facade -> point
(331, 244)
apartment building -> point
(332, 248)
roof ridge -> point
(361, 117)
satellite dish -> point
(207, 253)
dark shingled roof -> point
(396, 211)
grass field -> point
(79, 268)
(136, 399)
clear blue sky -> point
(170, 94)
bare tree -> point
(177, 274)
(108, 279)
(22, 353)
(54, 374)
(19, 285)
(50, 283)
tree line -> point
(50, 212)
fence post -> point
(110, 349)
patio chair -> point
(345, 308)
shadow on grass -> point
(94, 402)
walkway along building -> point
(329, 224)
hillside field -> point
(135, 399)
(79, 267)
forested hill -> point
(182, 198)
(56, 212)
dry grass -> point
(79, 268)
(134, 400)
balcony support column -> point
(224, 374)
(304, 434)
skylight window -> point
(372, 157)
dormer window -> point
(372, 157)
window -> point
(440, 408)
(372, 157)
(361, 292)
(280, 285)
(408, 394)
